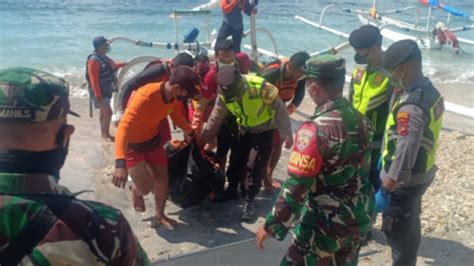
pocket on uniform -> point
(395, 225)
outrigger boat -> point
(427, 37)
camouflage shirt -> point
(328, 182)
(88, 233)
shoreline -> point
(446, 221)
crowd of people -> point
(370, 153)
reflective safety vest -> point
(252, 109)
(286, 87)
(430, 101)
(371, 98)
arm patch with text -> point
(305, 159)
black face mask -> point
(361, 60)
(35, 162)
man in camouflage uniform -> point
(328, 191)
(41, 222)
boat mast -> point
(253, 35)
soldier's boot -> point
(229, 194)
(248, 213)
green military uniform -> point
(41, 222)
(328, 193)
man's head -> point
(183, 59)
(33, 109)
(325, 77)
(402, 62)
(101, 45)
(185, 83)
(201, 65)
(367, 42)
(229, 81)
(296, 63)
(224, 51)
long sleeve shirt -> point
(281, 120)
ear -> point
(68, 131)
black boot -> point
(248, 213)
(229, 194)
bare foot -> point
(164, 221)
(138, 203)
(108, 138)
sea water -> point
(56, 35)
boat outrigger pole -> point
(253, 34)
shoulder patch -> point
(305, 159)
(357, 78)
(269, 93)
(439, 109)
(402, 123)
(379, 78)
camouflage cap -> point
(29, 95)
(325, 66)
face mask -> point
(398, 83)
(220, 65)
(361, 60)
(35, 162)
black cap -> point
(365, 37)
(399, 53)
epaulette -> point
(269, 93)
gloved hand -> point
(379, 163)
(382, 200)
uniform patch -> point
(358, 76)
(402, 123)
(439, 109)
(269, 93)
(303, 138)
(305, 159)
(378, 80)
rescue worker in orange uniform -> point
(286, 75)
(101, 76)
(139, 144)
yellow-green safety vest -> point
(432, 104)
(251, 110)
(371, 98)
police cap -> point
(399, 53)
(365, 37)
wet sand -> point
(90, 166)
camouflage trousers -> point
(313, 247)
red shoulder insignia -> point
(305, 159)
(402, 123)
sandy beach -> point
(448, 234)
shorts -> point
(157, 156)
(105, 101)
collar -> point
(30, 184)
(330, 105)
(421, 84)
